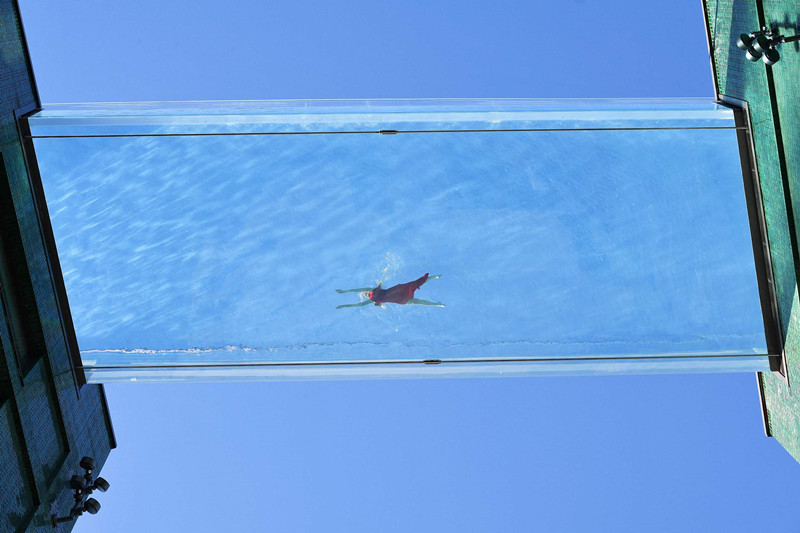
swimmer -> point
(401, 294)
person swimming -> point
(401, 294)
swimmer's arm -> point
(360, 304)
(363, 289)
(417, 301)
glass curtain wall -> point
(325, 239)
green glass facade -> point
(771, 96)
(48, 418)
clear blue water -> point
(570, 245)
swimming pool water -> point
(570, 237)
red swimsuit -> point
(399, 294)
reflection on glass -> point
(563, 231)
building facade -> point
(49, 417)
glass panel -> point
(309, 116)
(628, 239)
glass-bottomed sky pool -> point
(208, 240)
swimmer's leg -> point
(437, 276)
(363, 289)
(417, 301)
(360, 304)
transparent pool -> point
(208, 240)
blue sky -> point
(657, 453)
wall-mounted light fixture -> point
(764, 44)
(82, 487)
